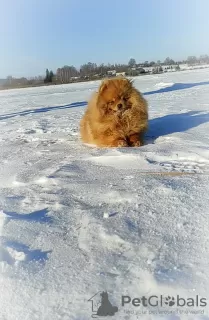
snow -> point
(164, 84)
(76, 220)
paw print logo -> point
(170, 301)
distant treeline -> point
(90, 71)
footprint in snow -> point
(14, 253)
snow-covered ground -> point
(78, 220)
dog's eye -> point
(125, 99)
(111, 102)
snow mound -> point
(164, 84)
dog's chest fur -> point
(127, 123)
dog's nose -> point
(120, 106)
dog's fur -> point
(116, 116)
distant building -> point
(148, 69)
(120, 74)
(111, 73)
(169, 68)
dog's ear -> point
(127, 81)
(103, 86)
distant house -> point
(111, 73)
(74, 78)
(169, 68)
(148, 69)
(120, 74)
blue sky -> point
(40, 34)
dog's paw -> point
(119, 143)
(122, 143)
(136, 144)
(135, 140)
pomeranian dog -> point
(116, 115)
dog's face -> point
(114, 96)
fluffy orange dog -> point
(116, 116)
